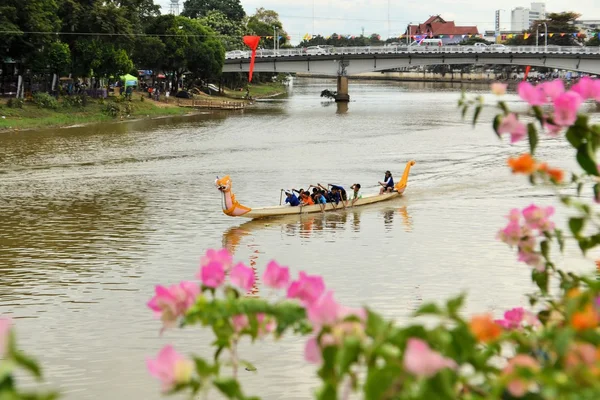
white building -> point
(522, 18)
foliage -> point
(190, 46)
(560, 31)
(343, 41)
(14, 102)
(58, 57)
(75, 101)
(595, 40)
(230, 32)
(44, 100)
(263, 22)
(232, 9)
(118, 108)
(13, 360)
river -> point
(92, 217)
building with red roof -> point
(436, 27)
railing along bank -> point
(415, 49)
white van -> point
(428, 43)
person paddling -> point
(292, 199)
(388, 184)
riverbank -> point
(31, 115)
(258, 91)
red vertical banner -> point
(252, 42)
(527, 69)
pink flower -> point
(538, 217)
(534, 95)
(510, 124)
(312, 351)
(170, 368)
(519, 386)
(532, 259)
(565, 108)
(420, 360)
(553, 130)
(242, 277)
(276, 276)
(324, 311)
(586, 88)
(511, 234)
(512, 318)
(239, 322)
(498, 88)
(360, 313)
(221, 256)
(308, 288)
(266, 324)
(212, 274)
(553, 89)
(5, 326)
(172, 302)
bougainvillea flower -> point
(421, 360)
(170, 368)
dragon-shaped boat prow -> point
(234, 209)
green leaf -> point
(229, 387)
(496, 124)
(248, 366)
(464, 112)
(539, 115)
(545, 247)
(375, 324)
(27, 363)
(560, 238)
(579, 188)
(576, 225)
(380, 380)
(203, 368)
(348, 354)
(476, 115)
(541, 279)
(575, 136)
(429, 308)
(455, 304)
(327, 392)
(587, 159)
(597, 192)
(533, 137)
(504, 107)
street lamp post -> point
(545, 37)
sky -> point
(350, 17)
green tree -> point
(232, 9)
(148, 52)
(10, 28)
(190, 47)
(595, 40)
(57, 57)
(230, 32)
(264, 23)
(560, 31)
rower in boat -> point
(388, 184)
(233, 208)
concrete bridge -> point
(344, 61)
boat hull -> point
(276, 211)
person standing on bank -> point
(388, 184)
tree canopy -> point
(560, 25)
(232, 9)
(264, 23)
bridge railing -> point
(269, 53)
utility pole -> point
(313, 30)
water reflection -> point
(310, 225)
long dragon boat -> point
(233, 208)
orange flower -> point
(484, 328)
(522, 165)
(586, 319)
(554, 173)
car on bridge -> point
(237, 54)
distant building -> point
(521, 18)
(587, 26)
(436, 27)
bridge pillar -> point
(342, 89)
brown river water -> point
(91, 218)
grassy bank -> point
(32, 116)
(257, 91)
